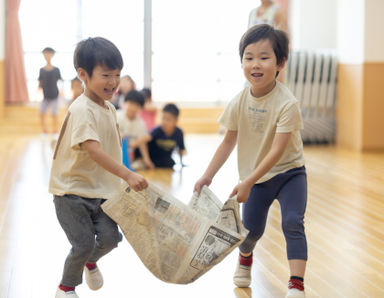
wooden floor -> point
(344, 224)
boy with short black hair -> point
(166, 137)
(48, 77)
(86, 168)
(172, 109)
(133, 127)
(264, 121)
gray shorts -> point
(53, 104)
(90, 231)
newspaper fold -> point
(177, 243)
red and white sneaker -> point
(242, 277)
(295, 289)
(93, 278)
(62, 294)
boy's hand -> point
(201, 182)
(136, 181)
(149, 164)
(242, 190)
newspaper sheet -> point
(177, 243)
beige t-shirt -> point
(256, 121)
(132, 129)
(73, 171)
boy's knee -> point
(292, 224)
(110, 240)
(255, 229)
(85, 249)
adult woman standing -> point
(269, 13)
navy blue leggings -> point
(290, 189)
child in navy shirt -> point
(165, 138)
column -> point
(373, 79)
(360, 122)
(148, 43)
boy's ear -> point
(82, 73)
(281, 65)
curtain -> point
(15, 79)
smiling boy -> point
(86, 168)
(264, 121)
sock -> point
(90, 266)
(297, 277)
(296, 282)
(246, 261)
(65, 288)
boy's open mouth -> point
(257, 75)
(109, 90)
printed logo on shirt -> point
(167, 145)
(257, 117)
(257, 110)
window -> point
(195, 43)
(61, 24)
(195, 46)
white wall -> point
(353, 27)
(374, 35)
(350, 27)
(2, 29)
(313, 24)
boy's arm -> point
(145, 154)
(181, 147)
(221, 155)
(143, 140)
(40, 80)
(134, 180)
(280, 21)
(182, 152)
(279, 144)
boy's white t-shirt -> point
(73, 171)
(256, 121)
(132, 129)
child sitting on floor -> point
(165, 138)
(133, 127)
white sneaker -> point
(295, 293)
(242, 277)
(93, 278)
(61, 294)
(138, 165)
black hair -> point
(92, 52)
(135, 97)
(48, 49)
(147, 93)
(278, 39)
(172, 109)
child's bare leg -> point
(55, 123)
(297, 267)
(43, 123)
(245, 254)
